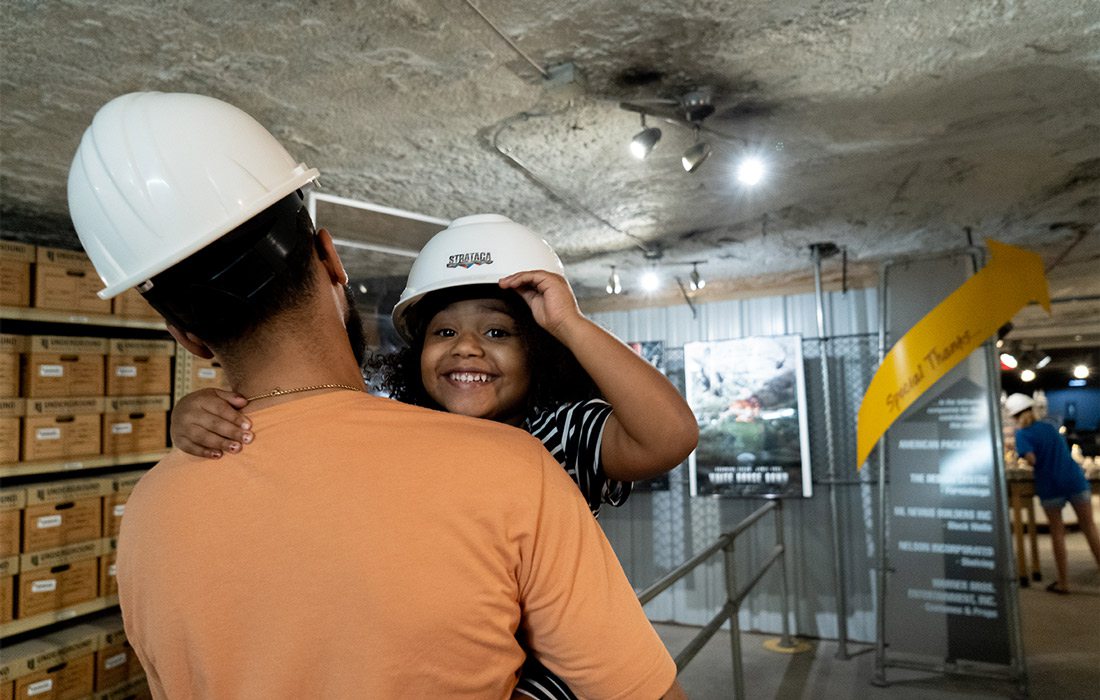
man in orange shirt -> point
(362, 547)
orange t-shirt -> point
(363, 548)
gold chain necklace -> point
(282, 392)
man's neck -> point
(296, 353)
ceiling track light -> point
(694, 156)
(644, 141)
(614, 284)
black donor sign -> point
(946, 595)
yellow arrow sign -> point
(948, 333)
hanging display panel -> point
(749, 396)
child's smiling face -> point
(474, 361)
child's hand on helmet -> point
(552, 302)
(208, 423)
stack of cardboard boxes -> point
(60, 280)
(63, 399)
(84, 396)
(90, 660)
(57, 544)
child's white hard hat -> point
(477, 249)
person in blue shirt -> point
(1058, 480)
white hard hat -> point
(159, 176)
(477, 249)
(1018, 403)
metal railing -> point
(734, 596)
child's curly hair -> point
(556, 376)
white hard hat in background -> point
(477, 249)
(1017, 403)
(159, 176)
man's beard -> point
(353, 324)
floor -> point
(1061, 647)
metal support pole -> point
(735, 622)
(834, 506)
(883, 561)
(785, 640)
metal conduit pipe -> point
(817, 249)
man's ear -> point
(326, 251)
(191, 342)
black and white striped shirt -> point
(573, 435)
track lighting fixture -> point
(696, 280)
(644, 141)
(614, 285)
(1027, 375)
(1044, 360)
(694, 156)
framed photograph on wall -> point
(749, 396)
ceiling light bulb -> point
(1027, 375)
(644, 141)
(750, 172)
(650, 281)
(1008, 361)
(362, 289)
(1081, 372)
(697, 281)
(1043, 362)
(694, 156)
(614, 285)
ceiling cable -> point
(542, 71)
(493, 141)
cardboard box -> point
(57, 588)
(133, 689)
(19, 660)
(114, 504)
(15, 273)
(61, 366)
(108, 570)
(131, 304)
(61, 512)
(50, 525)
(9, 567)
(11, 426)
(7, 598)
(11, 347)
(66, 280)
(112, 666)
(61, 437)
(66, 680)
(11, 517)
(113, 636)
(139, 367)
(57, 428)
(135, 424)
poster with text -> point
(749, 396)
(947, 592)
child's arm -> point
(651, 428)
(208, 423)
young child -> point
(494, 332)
